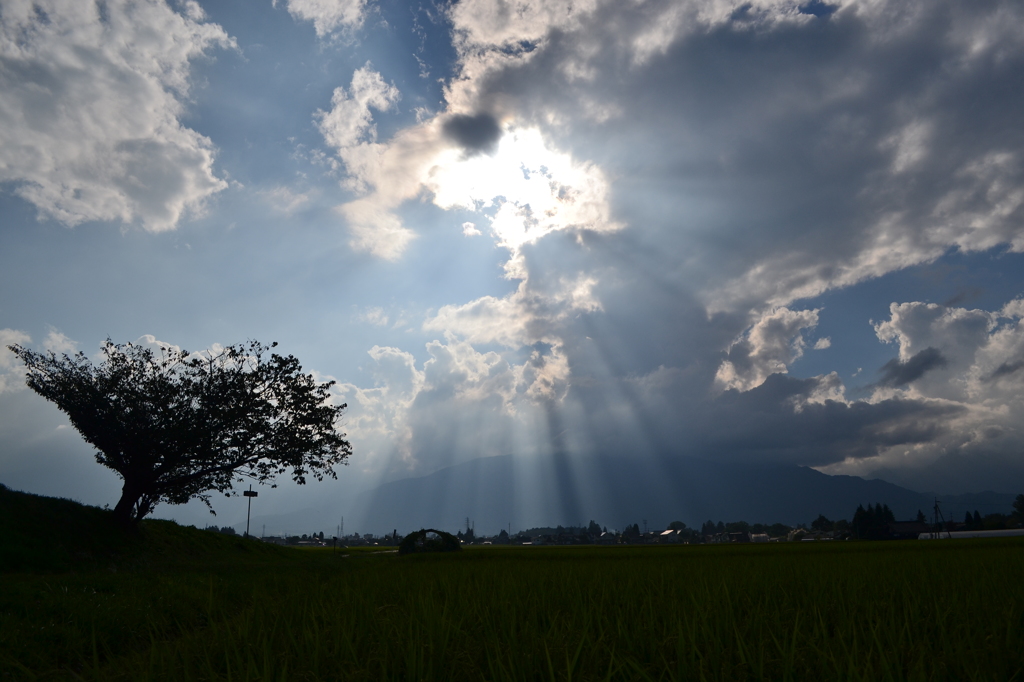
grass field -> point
(181, 604)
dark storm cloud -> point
(1006, 369)
(643, 372)
(667, 414)
(817, 8)
(835, 133)
(477, 133)
(773, 423)
(755, 163)
(896, 374)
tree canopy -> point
(178, 425)
(872, 523)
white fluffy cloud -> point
(971, 356)
(328, 16)
(531, 189)
(89, 120)
(773, 343)
(12, 371)
(967, 361)
(377, 417)
(372, 168)
(410, 409)
(12, 375)
(349, 121)
(58, 343)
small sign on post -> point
(250, 493)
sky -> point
(756, 232)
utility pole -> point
(250, 494)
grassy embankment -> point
(174, 603)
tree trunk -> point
(130, 495)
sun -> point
(525, 188)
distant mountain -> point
(498, 492)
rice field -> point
(840, 611)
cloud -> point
(328, 16)
(674, 183)
(349, 128)
(786, 419)
(462, 403)
(848, 168)
(154, 344)
(933, 337)
(897, 373)
(349, 121)
(374, 315)
(479, 133)
(534, 313)
(1006, 369)
(768, 347)
(12, 371)
(12, 374)
(90, 124)
(58, 343)
(469, 229)
(375, 229)
(955, 359)
(286, 200)
(534, 189)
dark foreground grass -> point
(949, 610)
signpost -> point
(250, 494)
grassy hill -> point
(51, 535)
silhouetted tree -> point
(677, 525)
(921, 517)
(821, 524)
(226, 530)
(429, 540)
(872, 523)
(1018, 507)
(994, 521)
(177, 426)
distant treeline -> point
(874, 522)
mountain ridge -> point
(503, 491)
